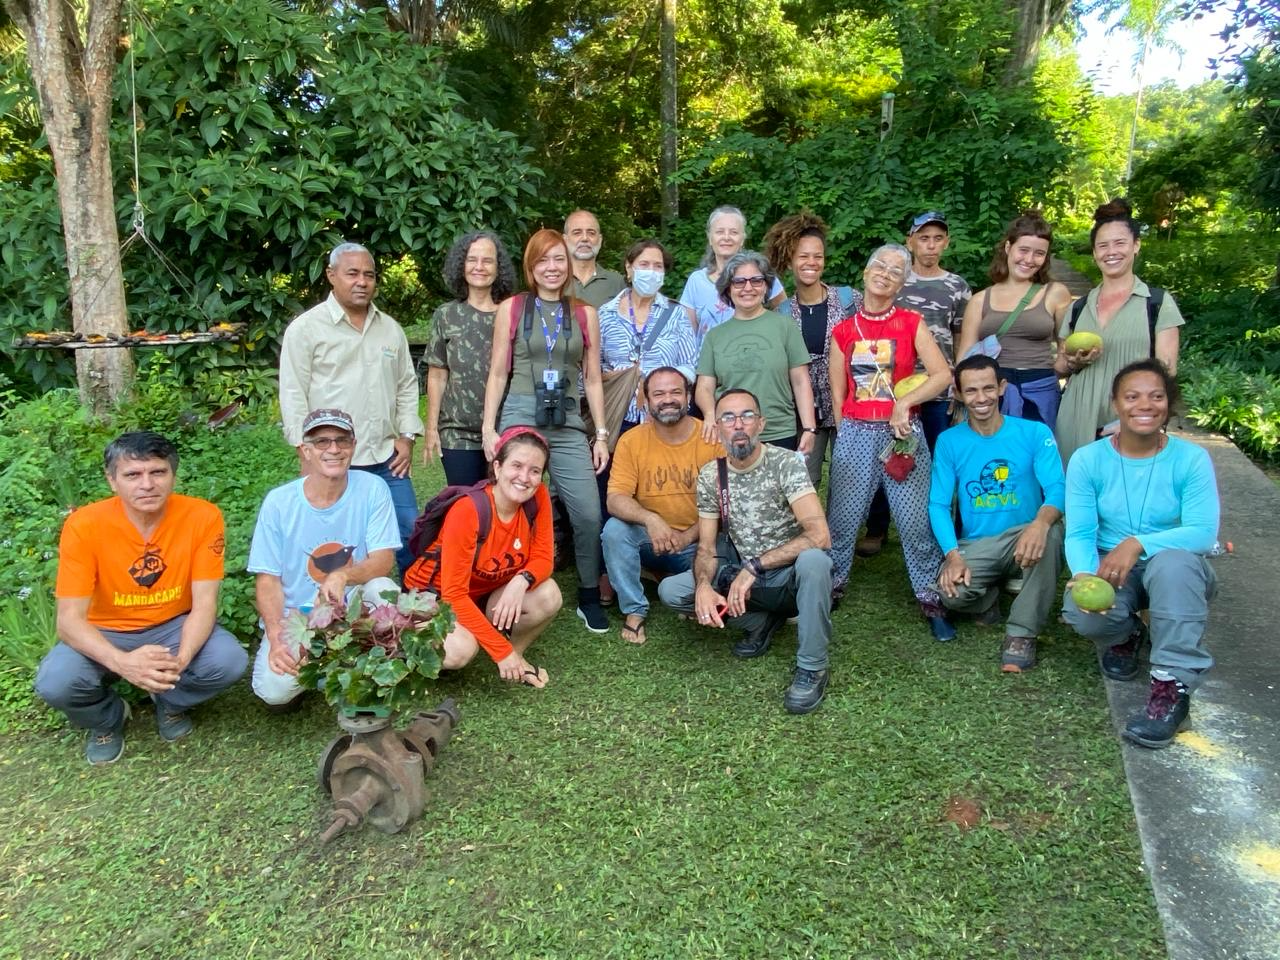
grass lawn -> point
(650, 802)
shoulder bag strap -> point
(1017, 311)
(656, 326)
(1077, 309)
(1154, 302)
(722, 474)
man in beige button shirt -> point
(348, 354)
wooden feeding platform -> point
(66, 340)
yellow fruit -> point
(907, 384)
(1093, 594)
(1082, 342)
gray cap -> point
(328, 417)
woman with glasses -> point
(799, 243)
(879, 438)
(479, 273)
(1017, 317)
(726, 233)
(1133, 320)
(760, 350)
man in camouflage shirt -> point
(762, 550)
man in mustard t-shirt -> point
(137, 589)
(653, 521)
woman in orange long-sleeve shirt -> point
(501, 593)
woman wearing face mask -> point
(641, 328)
(1133, 320)
(799, 243)
(726, 234)
(1021, 310)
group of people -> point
(686, 440)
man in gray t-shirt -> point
(762, 550)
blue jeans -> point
(627, 550)
(406, 505)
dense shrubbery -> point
(52, 461)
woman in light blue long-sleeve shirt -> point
(1141, 512)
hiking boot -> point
(869, 545)
(294, 704)
(1167, 710)
(1120, 662)
(172, 726)
(589, 610)
(1017, 654)
(106, 745)
(755, 643)
(808, 687)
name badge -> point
(550, 379)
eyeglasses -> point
(740, 282)
(746, 418)
(324, 443)
(879, 266)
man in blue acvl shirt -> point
(1008, 478)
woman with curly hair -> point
(799, 243)
(1133, 320)
(1020, 312)
(479, 273)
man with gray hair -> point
(591, 283)
(347, 354)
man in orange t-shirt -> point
(137, 589)
(653, 511)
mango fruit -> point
(907, 384)
(1082, 341)
(1093, 594)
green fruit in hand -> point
(1093, 594)
(1082, 342)
(907, 384)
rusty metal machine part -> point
(375, 772)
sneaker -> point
(106, 745)
(1017, 654)
(1120, 662)
(869, 545)
(755, 643)
(1167, 710)
(295, 704)
(808, 687)
(590, 612)
(943, 630)
(172, 726)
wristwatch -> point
(756, 568)
(808, 429)
(529, 578)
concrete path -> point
(1075, 281)
(1208, 807)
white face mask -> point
(647, 282)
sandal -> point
(636, 631)
(536, 673)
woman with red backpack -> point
(488, 556)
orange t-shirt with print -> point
(510, 548)
(662, 477)
(134, 583)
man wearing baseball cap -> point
(939, 296)
(317, 538)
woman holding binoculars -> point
(542, 340)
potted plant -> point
(371, 659)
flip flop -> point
(535, 672)
(636, 631)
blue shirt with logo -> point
(1001, 480)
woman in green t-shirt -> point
(760, 350)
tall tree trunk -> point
(667, 166)
(73, 76)
(1033, 19)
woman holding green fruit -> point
(879, 437)
(1141, 513)
(1127, 320)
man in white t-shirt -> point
(320, 536)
